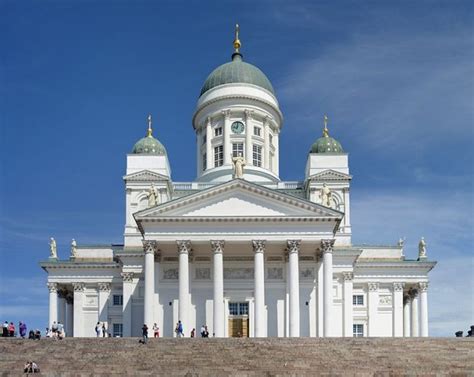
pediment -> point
(145, 176)
(330, 175)
(238, 199)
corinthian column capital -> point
(225, 114)
(104, 287)
(53, 287)
(184, 246)
(348, 275)
(258, 246)
(398, 287)
(217, 246)
(150, 247)
(78, 287)
(373, 287)
(293, 246)
(327, 245)
(423, 286)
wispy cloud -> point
(394, 89)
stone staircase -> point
(240, 356)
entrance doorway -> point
(239, 319)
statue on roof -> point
(73, 248)
(239, 164)
(325, 195)
(52, 248)
(422, 248)
(152, 196)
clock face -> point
(237, 127)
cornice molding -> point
(329, 175)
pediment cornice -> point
(329, 175)
(145, 176)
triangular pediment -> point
(330, 175)
(145, 176)
(238, 199)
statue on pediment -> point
(52, 248)
(422, 248)
(73, 248)
(152, 196)
(239, 164)
(325, 195)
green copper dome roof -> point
(326, 144)
(148, 144)
(237, 71)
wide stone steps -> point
(240, 356)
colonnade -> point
(415, 311)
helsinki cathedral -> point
(239, 249)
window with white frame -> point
(117, 330)
(218, 156)
(257, 155)
(238, 308)
(237, 149)
(218, 131)
(118, 300)
(357, 330)
(358, 300)
(204, 161)
(257, 131)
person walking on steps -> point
(145, 333)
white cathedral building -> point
(238, 249)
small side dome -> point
(148, 144)
(326, 144)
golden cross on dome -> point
(150, 130)
(325, 131)
(237, 43)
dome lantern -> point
(148, 144)
(326, 144)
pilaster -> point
(217, 247)
(397, 309)
(53, 303)
(127, 292)
(326, 248)
(372, 307)
(423, 291)
(104, 294)
(348, 304)
(227, 146)
(293, 247)
(78, 309)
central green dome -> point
(237, 71)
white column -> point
(78, 310)
(397, 310)
(184, 247)
(414, 313)
(287, 297)
(150, 248)
(68, 326)
(218, 308)
(348, 304)
(276, 164)
(406, 316)
(293, 247)
(104, 295)
(372, 307)
(266, 142)
(423, 289)
(61, 307)
(127, 292)
(199, 162)
(53, 303)
(259, 287)
(209, 154)
(248, 137)
(326, 247)
(227, 146)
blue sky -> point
(78, 78)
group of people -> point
(56, 331)
(9, 329)
(31, 367)
(100, 330)
(470, 333)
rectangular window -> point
(238, 308)
(118, 300)
(204, 161)
(117, 330)
(219, 156)
(257, 131)
(358, 331)
(257, 155)
(358, 300)
(237, 149)
(218, 131)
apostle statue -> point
(152, 196)
(422, 248)
(239, 164)
(73, 248)
(325, 196)
(401, 242)
(52, 248)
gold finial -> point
(237, 43)
(150, 130)
(325, 130)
